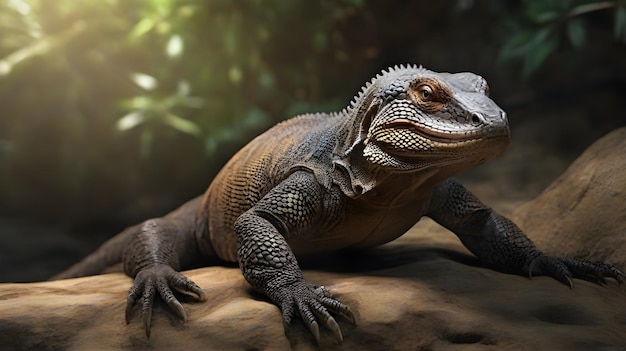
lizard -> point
(331, 181)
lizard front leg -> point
(268, 263)
(498, 241)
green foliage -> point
(118, 88)
(236, 62)
(538, 33)
(153, 112)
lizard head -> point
(416, 119)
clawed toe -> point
(314, 305)
(161, 280)
(147, 320)
(332, 325)
(564, 269)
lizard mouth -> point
(439, 136)
(409, 145)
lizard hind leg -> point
(161, 248)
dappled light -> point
(100, 94)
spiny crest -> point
(360, 94)
(402, 67)
(355, 100)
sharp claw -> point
(349, 315)
(313, 304)
(564, 269)
(129, 311)
(194, 291)
(159, 280)
(570, 281)
(315, 330)
(131, 300)
(147, 319)
(338, 307)
(178, 309)
(167, 296)
(334, 328)
(202, 296)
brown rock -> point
(583, 213)
(421, 292)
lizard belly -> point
(356, 230)
(359, 228)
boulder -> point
(424, 291)
(583, 213)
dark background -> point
(112, 112)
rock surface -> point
(422, 292)
(583, 213)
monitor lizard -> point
(329, 181)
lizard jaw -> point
(440, 136)
(410, 149)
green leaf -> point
(144, 81)
(541, 36)
(182, 96)
(181, 124)
(537, 54)
(577, 32)
(514, 46)
(130, 120)
(138, 103)
(37, 48)
(542, 11)
(546, 17)
(144, 26)
(175, 45)
(520, 43)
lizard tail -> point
(107, 255)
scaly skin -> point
(357, 178)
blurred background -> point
(115, 111)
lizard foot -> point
(161, 279)
(313, 303)
(564, 269)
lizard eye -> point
(425, 92)
(429, 94)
